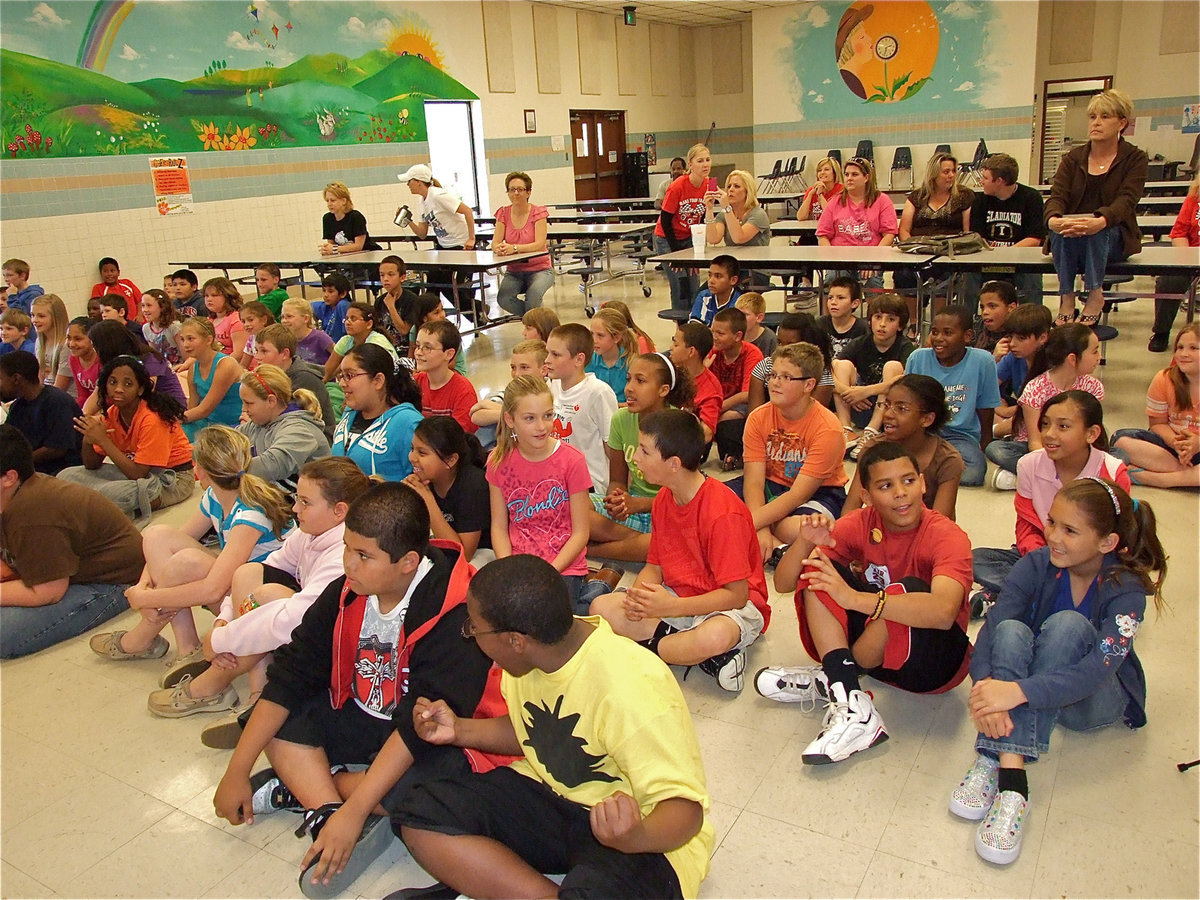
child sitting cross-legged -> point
(883, 594)
(343, 690)
(268, 599)
(1058, 648)
(528, 358)
(622, 816)
(701, 599)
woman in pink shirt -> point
(860, 217)
(521, 228)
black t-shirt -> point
(467, 506)
(1005, 222)
(868, 360)
(360, 423)
(839, 339)
(352, 225)
(383, 318)
(48, 421)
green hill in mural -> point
(319, 99)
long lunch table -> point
(1156, 227)
(474, 261)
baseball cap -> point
(420, 172)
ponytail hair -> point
(1089, 408)
(224, 454)
(682, 387)
(1063, 341)
(162, 405)
(1112, 511)
(447, 438)
(339, 478)
(367, 311)
(271, 381)
(398, 381)
(518, 389)
(623, 308)
(202, 324)
(614, 323)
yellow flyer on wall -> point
(172, 185)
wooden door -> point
(597, 152)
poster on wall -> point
(105, 78)
(172, 185)
(1191, 119)
(651, 144)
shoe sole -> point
(222, 735)
(821, 759)
(992, 855)
(376, 837)
(172, 677)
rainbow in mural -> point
(102, 27)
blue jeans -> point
(1017, 653)
(992, 565)
(974, 460)
(871, 279)
(583, 592)
(682, 281)
(1139, 434)
(1005, 453)
(28, 629)
(1087, 256)
(532, 284)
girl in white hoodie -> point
(268, 599)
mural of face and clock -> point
(886, 51)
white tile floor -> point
(101, 799)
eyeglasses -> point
(779, 376)
(427, 348)
(346, 377)
(518, 190)
(901, 409)
(469, 633)
(864, 164)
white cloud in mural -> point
(827, 81)
(812, 93)
(817, 16)
(959, 10)
(238, 41)
(936, 97)
(820, 98)
(377, 30)
(128, 52)
(45, 16)
(965, 86)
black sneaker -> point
(729, 669)
(1159, 343)
(269, 794)
(981, 601)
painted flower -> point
(241, 139)
(211, 136)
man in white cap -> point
(453, 224)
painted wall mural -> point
(848, 59)
(84, 79)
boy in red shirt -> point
(690, 346)
(884, 593)
(443, 391)
(731, 361)
(701, 599)
(111, 282)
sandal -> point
(1063, 319)
(1089, 319)
(776, 556)
(108, 645)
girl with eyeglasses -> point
(521, 228)
(383, 407)
(914, 409)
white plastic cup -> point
(698, 239)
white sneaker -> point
(974, 795)
(998, 838)
(1004, 480)
(851, 724)
(806, 685)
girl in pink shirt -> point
(861, 216)
(223, 301)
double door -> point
(598, 151)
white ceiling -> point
(677, 12)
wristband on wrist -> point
(880, 603)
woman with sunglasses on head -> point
(860, 216)
(521, 228)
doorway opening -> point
(1064, 118)
(455, 135)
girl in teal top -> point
(213, 397)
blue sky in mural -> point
(179, 39)
(958, 76)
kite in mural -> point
(53, 108)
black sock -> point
(841, 668)
(1014, 780)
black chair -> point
(789, 176)
(866, 150)
(902, 162)
(835, 155)
(968, 173)
(764, 181)
(942, 148)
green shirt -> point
(623, 437)
(273, 300)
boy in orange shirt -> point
(794, 450)
(443, 391)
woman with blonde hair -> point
(284, 426)
(49, 316)
(734, 215)
(249, 516)
(939, 205)
(827, 187)
(1092, 209)
(343, 228)
(684, 205)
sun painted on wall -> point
(885, 52)
(249, 75)
(853, 60)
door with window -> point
(598, 151)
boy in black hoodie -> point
(342, 692)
